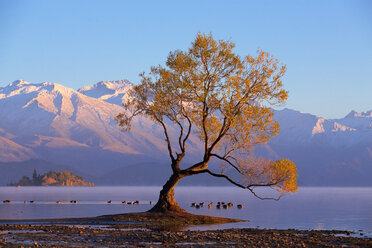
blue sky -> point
(326, 45)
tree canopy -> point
(223, 98)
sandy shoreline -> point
(143, 230)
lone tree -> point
(212, 92)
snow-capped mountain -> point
(53, 123)
(306, 128)
(109, 91)
(326, 152)
(360, 121)
(56, 116)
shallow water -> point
(309, 208)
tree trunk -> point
(166, 202)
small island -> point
(52, 178)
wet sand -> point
(131, 230)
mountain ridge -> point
(77, 128)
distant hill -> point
(51, 178)
(56, 128)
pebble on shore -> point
(57, 235)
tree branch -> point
(228, 161)
(206, 138)
(220, 135)
(166, 139)
(205, 107)
(242, 186)
(265, 198)
(180, 137)
(195, 166)
(188, 132)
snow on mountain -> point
(360, 121)
(321, 148)
(307, 128)
(53, 123)
(294, 125)
(61, 125)
(110, 91)
(353, 114)
(49, 115)
(301, 126)
(52, 110)
(326, 152)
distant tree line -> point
(52, 178)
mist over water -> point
(309, 208)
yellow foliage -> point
(48, 181)
(285, 172)
(224, 98)
(280, 175)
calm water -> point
(309, 208)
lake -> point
(309, 208)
